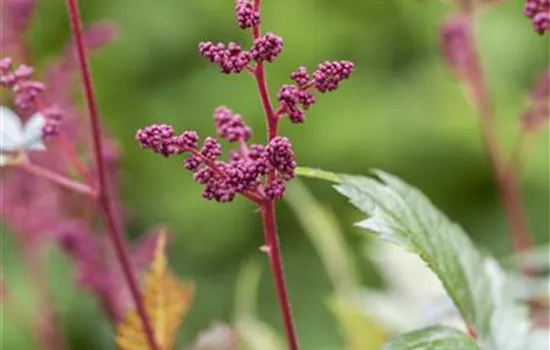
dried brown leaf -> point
(166, 299)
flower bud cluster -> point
(19, 80)
(246, 171)
(296, 99)
(538, 11)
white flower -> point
(414, 297)
(18, 139)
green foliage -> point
(436, 337)
(479, 288)
(323, 229)
(256, 334)
(359, 331)
(404, 216)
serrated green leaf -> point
(403, 215)
(477, 285)
(432, 338)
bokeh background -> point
(402, 112)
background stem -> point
(103, 192)
(505, 178)
(57, 178)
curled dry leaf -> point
(166, 299)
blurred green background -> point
(402, 111)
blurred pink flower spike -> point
(17, 139)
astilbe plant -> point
(258, 172)
(53, 189)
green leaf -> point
(358, 331)
(477, 285)
(255, 333)
(403, 215)
(324, 231)
(432, 338)
(318, 174)
(321, 226)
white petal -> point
(33, 133)
(11, 130)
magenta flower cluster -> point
(295, 99)
(538, 11)
(54, 116)
(231, 126)
(243, 173)
(247, 16)
(256, 171)
(26, 92)
(19, 80)
(231, 58)
(328, 75)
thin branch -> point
(103, 192)
(57, 178)
(508, 186)
(271, 117)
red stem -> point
(506, 179)
(271, 117)
(259, 75)
(268, 208)
(274, 253)
(103, 193)
(472, 332)
(57, 178)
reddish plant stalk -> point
(274, 253)
(103, 193)
(268, 207)
(271, 117)
(57, 178)
(506, 178)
